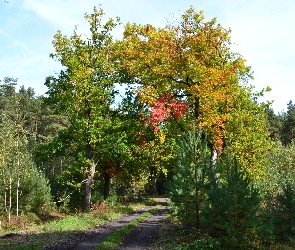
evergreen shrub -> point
(231, 210)
(186, 191)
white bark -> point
(9, 209)
(18, 169)
(17, 197)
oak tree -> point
(84, 92)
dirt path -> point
(140, 238)
(96, 235)
(146, 233)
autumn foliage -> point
(186, 68)
(163, 108)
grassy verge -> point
(37, 236)
(114, 240)
(174, 236)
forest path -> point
(147, 232)
(140, 238)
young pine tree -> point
(186, 190)
(232, 206)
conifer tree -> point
(232, 205)
(191, 172)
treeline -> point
(282, 125)
(161, 110)
(25, 123)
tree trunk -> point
(5, 194)
(133, 189)
(18, 170)
(89, 179)
(17, 198)
(106, 188)
(213, 161)
(197, 209)
(88, 186)
(10, 199)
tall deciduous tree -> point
(84, 91)
(188, 74)
(188, 70)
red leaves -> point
(163, 108)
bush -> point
(278, 208)
(232, 207)
(284, 214)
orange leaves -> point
(214, 126)
(218, 144)
(112, 170)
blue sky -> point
(263, 32)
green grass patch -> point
(114, 240)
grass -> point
(115, 239)
(35, 236)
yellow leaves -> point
(196, 88)
(148, 94)
(162, 138)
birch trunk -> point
(18, 169)
(10, 199)
(5, 193)
(213, 162)
(17, 198)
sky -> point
(263, 32)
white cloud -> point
(15, 41)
